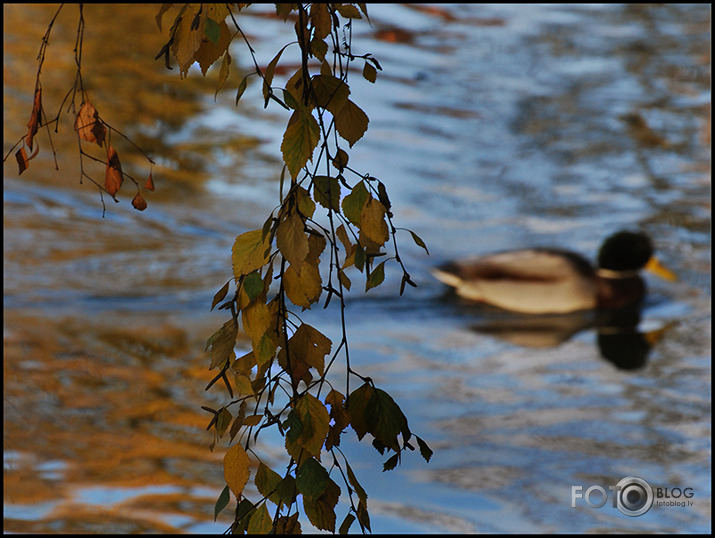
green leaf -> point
(286, 490)
(357, 406)
(425, 450)
(321, 512)
(311, 479)
(382, 195)
(222, 501)
(369, 72)
(260, 521)
(345, 525)
(268, 73)
(314, 423)
(418, 241)
(250, 252)
(355, 484)
(354, 203)
(385, 419)
(253, 285)
(220, 294)
(362, 514)
(223, 421)
(351, 122)
(300, 139)
(341, 160)
(267, 481)
(376, 277)
(242, 87)
(212, 30)
(326, 191)
(243, 512)
(330, 92)
(391, 463)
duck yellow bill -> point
(657, 268)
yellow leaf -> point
(321, 20)
(217, 12)
(351, 122)
(306, 205)
(312, 345)
(250, 252)
(223, 73)
(257, 319)
(164, 8)
(315, 420)
(303, 287)
(348, 11)
(291, 240)
(300, 140)
(318, 48)
(340, 417)
(236, 469)
(208, 52)
(187, 40)
(221, 344)
(372, 220)
(331, 93)
(316, 244)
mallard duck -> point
(549, 280)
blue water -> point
(493, 127)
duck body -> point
(554, 281)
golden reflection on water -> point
(91, 409)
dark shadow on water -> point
(618, 337)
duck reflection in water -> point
(543, 296)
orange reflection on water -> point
(102, 429)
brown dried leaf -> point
(138, 202)
(113, 174)
(88, 124)
(149, 185)
(34, 122)
(22, 159)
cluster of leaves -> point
(88, 127)
(330, 219)
(282, 381)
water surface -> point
(493, 127)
